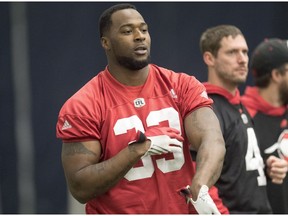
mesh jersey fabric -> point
(110, 112)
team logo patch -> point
(204, 94)
(139, 102)
(173, 94)
(66, 125)
(244, 118)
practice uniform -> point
(111, 112)
(270, 125)
(242, 184)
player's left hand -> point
(276, 169)
(204, 203)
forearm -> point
(204, 134)
(93, 178)
(209, 162)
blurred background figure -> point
(225, 52)
(267, 104)
(242, 184)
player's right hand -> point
(163, 140)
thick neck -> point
(129, 77)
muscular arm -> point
(204, 133)
(86, 177)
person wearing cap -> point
(242, 183)
(267, 104)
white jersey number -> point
(253, 158)
(153, 118)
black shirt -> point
(269, 123)
(242, 184)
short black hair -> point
(105, 18)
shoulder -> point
(85, 98)
(225, 111)
(220, 102)
(174, 76)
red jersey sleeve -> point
(192, 94)
(76, 120)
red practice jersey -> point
(110, 112)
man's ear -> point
(105, 43)
(208, 58)
(276, 75)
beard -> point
(230, 75)
(230, 78)
(283, 91)
(131, 63)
